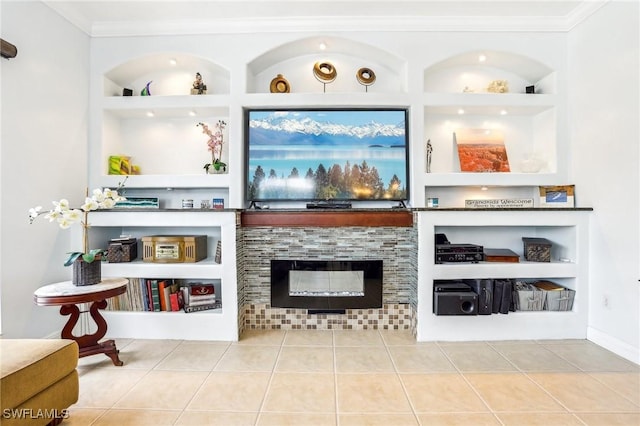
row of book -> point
(170, 295)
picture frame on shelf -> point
(557, 196)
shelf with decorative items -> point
(151, 131)
(565, 264)
(491, 119)
(327, 65)
(164, 230)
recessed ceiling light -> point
(150, 114)
(503, 112)
(460, 111)
(173, 62)
(482, 58)
(192, 113)
(484, 188)
(322, 45)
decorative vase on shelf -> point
(86, 273)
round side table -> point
(68, 296)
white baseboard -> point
(616, 346)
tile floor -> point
(357, 378)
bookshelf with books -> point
(135, 314)
(168, 295)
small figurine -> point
(146, 91)
(429, 151)
(199, 88)
(498, 86)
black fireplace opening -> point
(326, 285)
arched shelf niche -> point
(171, 74)
(474, 70)
(295, 61)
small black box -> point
(530, 89)
(127, 92)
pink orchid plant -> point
(215, 144)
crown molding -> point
(328, 23)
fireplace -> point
(326, 286)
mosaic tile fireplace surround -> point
(367, 238)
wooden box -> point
(537, 249)
(174, 248)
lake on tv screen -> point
(285, 149)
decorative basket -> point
(86, 273)
(122, 250)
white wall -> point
(604, 117)
(43, 157)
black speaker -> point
(454, 297)
(455, 303)
(484, 289)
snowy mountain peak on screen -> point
(310, 126)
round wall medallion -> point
(366, 76)
(279, 85)
(324, 72)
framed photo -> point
(557, 196)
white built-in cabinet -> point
(160, 135)
(568, 230)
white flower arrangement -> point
(65, 217)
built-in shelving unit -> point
(443, 91)
(218, 324)
(456, 97)
(567, 229)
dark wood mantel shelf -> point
(328, 218)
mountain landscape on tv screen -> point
(327, 155)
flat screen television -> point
(327, 154)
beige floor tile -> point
(441, 392)
(308, 338)
(359, 338)
(512, 392)
(528, 357)
(82, 416)
(248, 358)
(610, 419)
(420, 359)
(363, 359)
(539, 419)
(590, 357)
(459, 419)
(398, 337)
(200, 418)
(231, 391)
(163, 390)
(581, 392)
(262, 337)
(626, 384)
(476, 357)
(305, 359)
(193, 356)
(301, 393)
(371, 393)
(137, 418)
(377, 420)
(296, 419)
(103, 387)
(145, 354)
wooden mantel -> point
(328, 218)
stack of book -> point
(199, 297)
